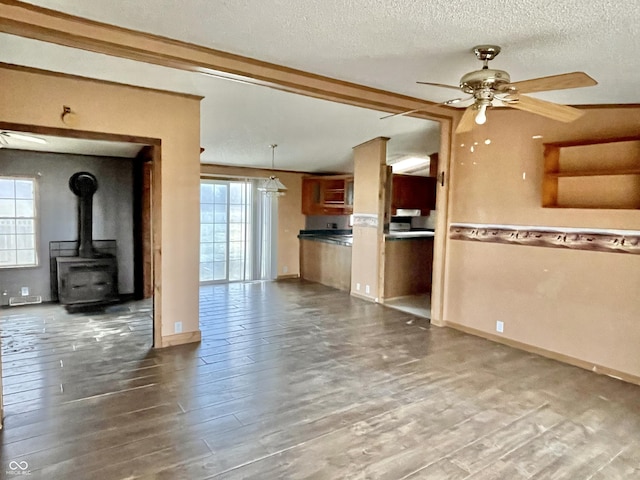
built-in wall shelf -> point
(598, 173)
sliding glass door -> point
(235, 226)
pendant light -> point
(272, 186)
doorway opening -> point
(409, 258)
(119, 228)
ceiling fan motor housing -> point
(483, 79)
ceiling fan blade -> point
(555, 111)
(467, 122)
(403, 113)
(443, 85)
(23, 137)
(554, 82)
(425, 109)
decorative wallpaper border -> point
(615, 241)
(365, 220)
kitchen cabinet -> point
(601, 173)
(327, 195)
(413, 192)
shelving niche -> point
(603, 173)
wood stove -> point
(89, 279)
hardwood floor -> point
(296, 380)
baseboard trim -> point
(181, 339)
(398, 297)
(560, 357)
(288, 277)
(364, 297)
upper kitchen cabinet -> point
(327, 195)
(413, 193)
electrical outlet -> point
(367, 289)
(177, 327)
(499, 326)
(357, 286)
(24, 291)
(285, 269)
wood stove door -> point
(87, 280)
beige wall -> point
(367, 159)
(367, 253)
(37, 99)
(365, 260)
(290, 217)
(580, 304)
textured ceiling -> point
(391, 43)
(387, 44)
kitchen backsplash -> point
(428, 222)
(342, 222)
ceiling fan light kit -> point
(481, 116)
(487, 85)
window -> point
(17, 222)
(225, 222)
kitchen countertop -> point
(345, 237)
(335, 237)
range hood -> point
(407, 212)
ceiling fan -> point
(6, 137)
(488, 85)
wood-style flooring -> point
(296, 380)
(418, 305)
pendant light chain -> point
(273, 155)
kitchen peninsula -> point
(325, 257)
